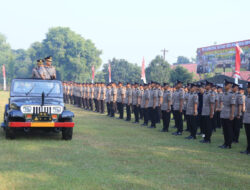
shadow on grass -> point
(36, 134)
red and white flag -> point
(4, 78)
(143, 76)
(109, 73)
(93, 74)
(238, 51)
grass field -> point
(109, 154)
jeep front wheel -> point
(9, 132)
(67, 132)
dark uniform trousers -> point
(178, 120)
(145, 115)
(218, 121)
(153, 115)
(141, 113)
(74, 97)
(87, 103)
(165, 119)
(236, 129)
(64, 98)
(199, 123)
(214, 122)
(83, 103)
(247, 129)
(158, 116)
(98, 105)
(207, 122)
(108, 109)
(91, 104)
(188, 122)
(102, 108)
(128, 110)
(136, 112)
(192, 121)
(119, 109)
(227, 126)
(95, 100)
(112, 108)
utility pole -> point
(164, 53)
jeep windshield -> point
(24, 87)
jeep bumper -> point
(41, 124)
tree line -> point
(74, 56)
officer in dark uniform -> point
(227, 114)
(237, 113)
(166, 107)
(50, 71)
(246, 120)
(200, 104)
(218, 111)
(178, 100)
(113, 99)
(128, 101)
(39, 71)
(192, 111)
(208, 112)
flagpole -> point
(4, 78)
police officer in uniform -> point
(192, 111)
(208, 112)
(218, 111)
(138, 103)
(144, 104)
(227, 114)
(39, 72)
(166, 107)
(246, 120)
(128, 101)
(237, 113)
(178, 100)
(119, 100)
(91, 97)
(113, 99)
(50, 71)
(102, 97)
(108, 98)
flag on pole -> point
(93, 74)
(143, 76)
(109, 73)
(238, 51)
(4, 78)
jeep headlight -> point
(26, 109)
(13, 107)
(56, 110)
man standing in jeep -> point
(50, 71)
(39, 71)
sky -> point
(130, 29)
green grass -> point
(109, 154)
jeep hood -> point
(19, 101)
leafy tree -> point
(182, 60)
(180, 73)
(158, 70)
(122, 70)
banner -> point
(109, 73)
(93, 74)
(4, 78)
(143, 76)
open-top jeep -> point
(36, 103)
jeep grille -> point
(39, 109)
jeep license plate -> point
(42, 116)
